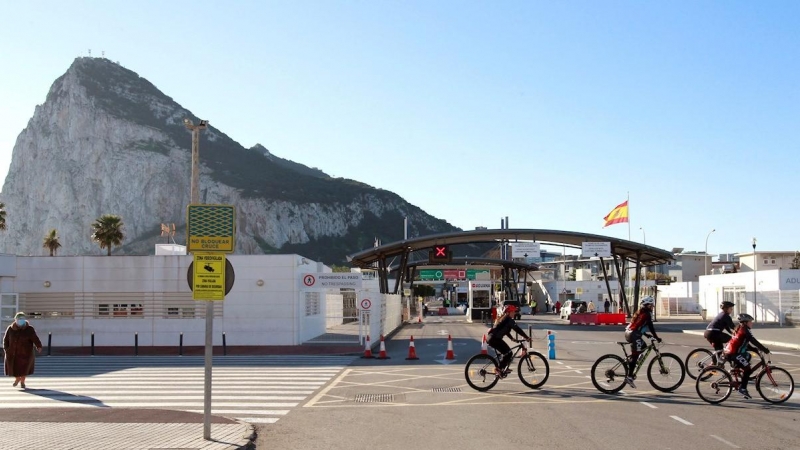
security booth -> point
(479, 294)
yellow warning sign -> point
(209, 276)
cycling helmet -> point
(510, 309)
(726, 304)
(745, 318)
(648, 301)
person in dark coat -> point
(18, 344)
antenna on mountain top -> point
(90, 52)
(103, 53)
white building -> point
(116, 298)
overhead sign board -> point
(600, 249)
(449, 274)
(525, 250)
(335, 280)
(210, 228)
(208, 282)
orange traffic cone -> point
(382, 353)
(450, 354)
(367, 349)
(484, 349)
(412, 351)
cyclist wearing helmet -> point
(737, 350)
(715, 331)
(641, 320)
(502, 327)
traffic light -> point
(440, 254)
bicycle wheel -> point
(608, 374)
(697, 360)
(666, 373)
(479, 372)
(713, 385)
(775, 384)
(533, 370)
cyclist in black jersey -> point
(715, 331)
(502, 327)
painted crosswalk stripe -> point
(258, 389)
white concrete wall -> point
(269, 312)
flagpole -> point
(628, 202)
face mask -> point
(21, 322)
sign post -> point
(210, 233)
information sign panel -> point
(209, 276)
(210, 228)
(601, 249)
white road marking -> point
(649, 405)
(685, 422)
(730, 444)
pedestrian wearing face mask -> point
(18, 344)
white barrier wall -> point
(264, 307)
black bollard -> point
(224, 345)
(49, 341)
(136, 344)
(180, 346)
(92, 343)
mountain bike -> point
(665, 372)
(775, 385)
(482, 371)
(700, 358)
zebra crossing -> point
(256, 389)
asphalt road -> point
(394, 403)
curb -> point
(249, 435)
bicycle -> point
(700, 358)
(482, 371)
(774, 384)
(665, 372)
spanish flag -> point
(617, 215)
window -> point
(103, 310)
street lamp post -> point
(195, 199)
(755, 268)
(705, 253)
(644, 236)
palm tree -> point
(107, 231)
(2, 216)
(51, 242)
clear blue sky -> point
(550, 113)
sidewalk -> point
(117, 428)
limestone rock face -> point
(106, 141)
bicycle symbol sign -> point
(309, 280)
(366, 304)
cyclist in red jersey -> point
(737, 350)
(642, 319)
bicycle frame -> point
(651, 347)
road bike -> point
(482, 371)
(665, 372)
(775, 385)
(700, 358)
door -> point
(8, 307)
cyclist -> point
(715, 331)
(642, 319)
(502, 327)
(737, 350)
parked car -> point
(571, 306)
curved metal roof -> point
(647, 255)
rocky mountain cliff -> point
(106, 141)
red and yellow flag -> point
(617, 215)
